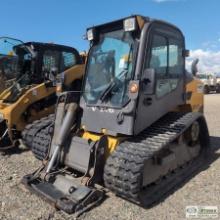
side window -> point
(68, 60)
(167, 61)
(158, 60)
(175, 62)
(50, 61)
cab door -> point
(164, 56)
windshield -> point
(14, 58)
(109, 69)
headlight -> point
(130, 24)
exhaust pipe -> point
(62, 134)
(194, 68)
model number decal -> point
(107, 110)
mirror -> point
(186, 53)
(148, 81)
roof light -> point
(130, 24)
(90, 34)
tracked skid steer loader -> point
(136, 130)
(36, 70)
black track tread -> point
(124, 168)
(37, 136)
(41, 142)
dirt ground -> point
(16, 203)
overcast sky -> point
(65, 21)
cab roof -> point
(39, 45)
(141, 20)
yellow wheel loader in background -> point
(136, 131)
(37, 68)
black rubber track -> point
(123, 172)
(41, 142)
(37, 136)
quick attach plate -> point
(79, 199)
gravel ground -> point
(203, 189)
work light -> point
(90, 34)
(130, 24)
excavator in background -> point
(36, 69)
(136, 130)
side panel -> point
(75, 72)
(12, 113)
(194, 88)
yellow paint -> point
(196, 101)
(91, 136)
(26, 101)
(74, 73)
(104, 131)
(113, 142)
(13, 112)
(140, 22)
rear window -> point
(69, 60)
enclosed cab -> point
(147, 84)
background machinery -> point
(210, 83)
(8, 62)
(36, 69)
(136, 130)
(38, 134)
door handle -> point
(148, 101)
